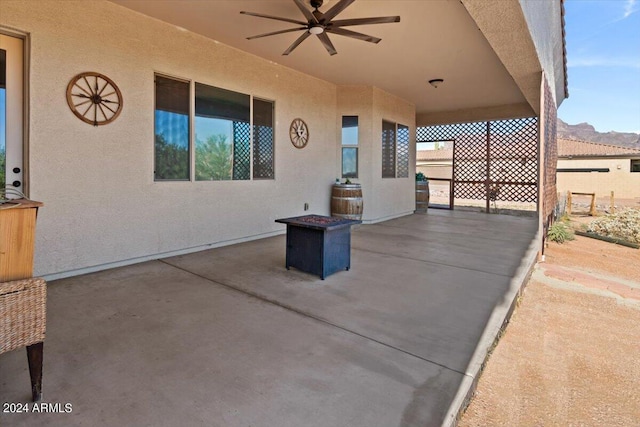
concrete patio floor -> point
(229, 337)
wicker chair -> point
(23, 323)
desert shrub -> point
(623, 225)
(560, 233)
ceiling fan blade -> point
(335, 10)
(277, 18)
(324, 38)
(295, 44)
(277, 32)
(353, 34)
(306, 12)
(365, 21)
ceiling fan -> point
(321, 24)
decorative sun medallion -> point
(94, 98)
(299, 133)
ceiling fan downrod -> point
(316, 4)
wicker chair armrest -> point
(21, 285)
(22, 313)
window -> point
(349, 146)
(635, 165)
(402, 146)
(225, 145)
(395, 150)
(171, 129)
(388, 149)
(263, 139)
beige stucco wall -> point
(388, 197)
(358, 101)
(622, 181)
(544, 20)
(102, 207)
(393, 196)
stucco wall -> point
(102, 206)
(393, 196)
(544, 19)
(358, 101)
(388, 197)
(622, 181)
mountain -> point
(586, 132)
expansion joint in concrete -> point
(310, 316)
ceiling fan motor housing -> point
(316, 3)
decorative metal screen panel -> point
(496, 160)
(403, 152)
(241, 150)
(388, 150)
(513, 159)
(449, 132)
(263, 152)
(550, 116)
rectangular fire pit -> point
(318, 244)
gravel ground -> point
(569, 356)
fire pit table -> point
(318, 244)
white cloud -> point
(630, 7)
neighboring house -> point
(585, 167)
(435, 163)
(201, 154)
(590, 167)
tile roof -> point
(578, 148)
(426, 155)
(566, 148)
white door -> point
(11, 116)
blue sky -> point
(603, 58)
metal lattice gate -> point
(492, 161)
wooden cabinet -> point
(17, 239)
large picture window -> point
(349, 146)
(225, 145)
(395, 150)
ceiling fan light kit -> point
(321, 24)
(318, 29)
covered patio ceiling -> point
(434, 39)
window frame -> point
(192, 137)
(395, 151)
(189, 126)
(636, 163)
(355, 147)
(273, 139)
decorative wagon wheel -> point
(94, 98)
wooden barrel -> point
(422, 196)
(346, 201)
